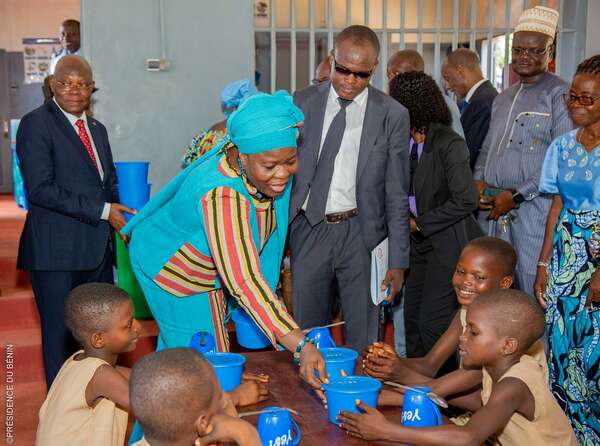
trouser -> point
(430, 301)
(51, 289)
(329, 257)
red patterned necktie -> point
(85, 139)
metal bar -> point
(543, 3)
(490, 54)
(293, 46)
(507, 9)
(420, 27)
(473, 37)
(273, 49)
(559, 40)
(436, 50)
(525, 4)
(402, 23)
(384, 45)
(410, 30)
(367, 12)
(455, 23)
(329, 25)
(311, 39)
(348, 12)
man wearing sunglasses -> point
(525, 119)
(350, 191)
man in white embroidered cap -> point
(525, 119)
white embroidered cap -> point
(539, 19)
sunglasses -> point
(343, 71)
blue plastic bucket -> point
(321, 337)
(134, 196)
(248, 333)
(132, 172)
(337, 359)
(228, 368)
(342, 393)
(203, 342)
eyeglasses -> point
(363, 75)
(534, 52)
(74, 86)
(586, 101)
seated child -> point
(88, 401)
(485, 264)
(177, 400)
(515, 403)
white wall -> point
(33, 18)
(592, 45)
(153, 115)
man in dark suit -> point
(70, 178)
(462, 73)
(350, 191)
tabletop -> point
(287, 389)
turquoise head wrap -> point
(265, 122)
(234, 93)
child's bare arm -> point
(108, 383)
(461, 388)
(254, 389)
(509, 396)
(389, 397)
(414, 371)
(226, 429)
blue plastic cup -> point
(247, 332)
(419, 411)
(228, 368)
(338, 359)
(134, 197)
(276, 427)
(132, 173)
(342, 393)
(321, 337)
(203, 342)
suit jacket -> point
(382, 175)
(63, 230)
(445, 193)
(476, 116)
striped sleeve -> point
(226, 216)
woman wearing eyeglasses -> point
(568, 277)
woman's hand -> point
(593, 300)
(540, 286)
(368, 426)
(311, 359)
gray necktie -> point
(319, 187)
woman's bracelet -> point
(299, 348)
(544, 264)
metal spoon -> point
(258, 412)
(434, 397)
(335, 324)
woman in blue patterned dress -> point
(568, 277)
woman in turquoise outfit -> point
(568, 277)
(222, 224)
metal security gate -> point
(292, 36)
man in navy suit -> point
(350, 191)
(70, 178)
(462, 73)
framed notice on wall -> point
(262, 14)
(37, 53)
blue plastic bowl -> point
(228, 368)
(132, 173)
(342, 393)
(248, 333)
(321, 337)
(134, 197)
(338, 358)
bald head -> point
(404, 61)
(462, 70)
(72, 64)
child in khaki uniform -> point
(177, 400)
(515, 403)
(88, 401)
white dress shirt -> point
(342, 190)
(73, 119)
(58, 56)
(473, 90)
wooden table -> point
(288, 390)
